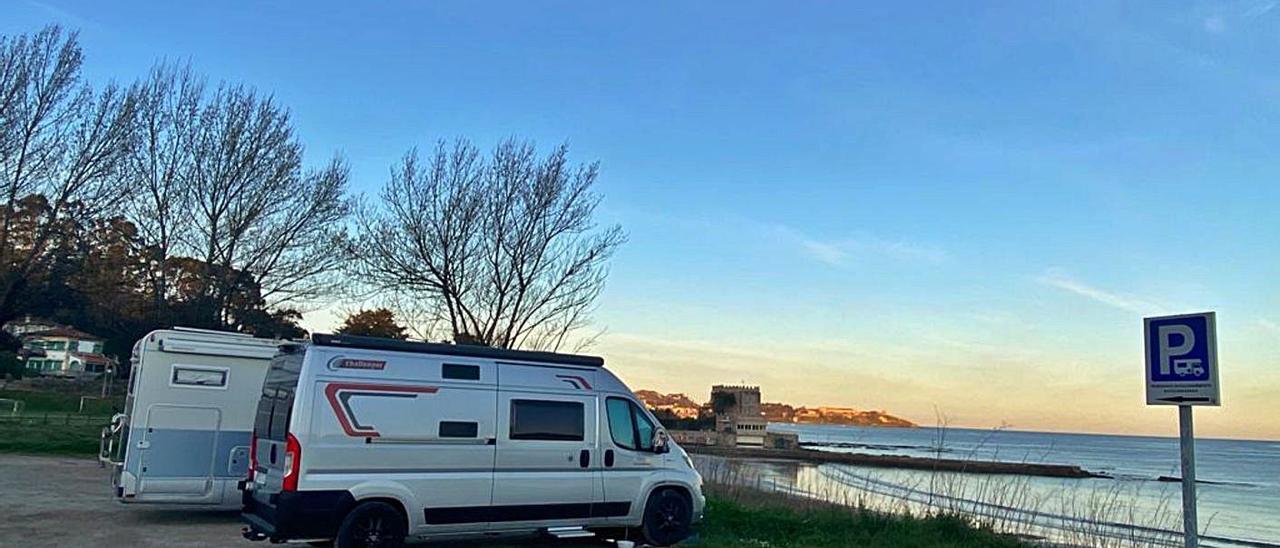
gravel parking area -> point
(63, 501)
(59, 501)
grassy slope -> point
(756, 519)
(56, 438)
(51, 424)
(36, 402)
(760, 519)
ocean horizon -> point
(1034, 431)
(1238, 480)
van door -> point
(271, 422)
(547, 464)
(177, 449)
(628, 451)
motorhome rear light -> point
(253, 455)
(292, 462)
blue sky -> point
(965, 208)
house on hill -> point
(678, 405)
(54, 350)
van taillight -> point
(253, 455)
(292, 463)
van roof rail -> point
(210, 331)
(379, 343)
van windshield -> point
(276, 402)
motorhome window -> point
(622, 428)
(280, 414)
(644, 428)
(193, 376)
(262, 419)
(546, 420)
(460, 372)
(457, 429)
(629, 427)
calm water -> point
(1242, 502)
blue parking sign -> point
(1181, 364)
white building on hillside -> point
(54, 350)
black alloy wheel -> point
(372, 525)
(667, 518)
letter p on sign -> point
(1167, 334)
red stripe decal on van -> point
(575, 381)
(333, 393)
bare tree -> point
(221, 180)
(501, 250)
(159, 163)
(59, 140)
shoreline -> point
(892, 461)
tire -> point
(667, 518)
(372, 525)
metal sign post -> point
(1187, 441)
(1182, 370)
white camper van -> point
(368, 441)
(183, 437)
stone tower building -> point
(738, 416)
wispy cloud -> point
(1260, 9)
(1057, 278)
(1268, 325)
(826, 252)
(1218, 23)
(66, 17)
(843, 252)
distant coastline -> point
(842, 416)
(681, 406)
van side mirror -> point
(660, 444)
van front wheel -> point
(667, 517)
(371, 525)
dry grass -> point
(1081, 513)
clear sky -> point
(947, 208)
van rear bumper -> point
(296, 514)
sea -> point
(1139, 503)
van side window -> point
(460, 372)
(629, 427)
(546, 420)
(621, 426)
(458, 429)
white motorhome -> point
(184, 435)
(368, 441)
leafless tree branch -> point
(502, 249)
(58, 139)
(222, 181)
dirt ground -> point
(61, 501)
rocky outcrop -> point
(683, 406)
